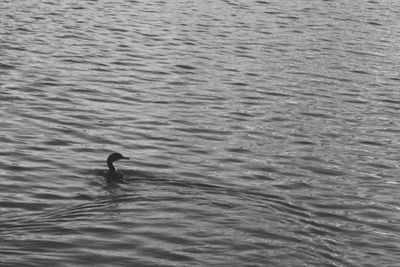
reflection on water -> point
(261, 133)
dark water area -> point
(260, 133)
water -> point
(261, 133)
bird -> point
(112, 174)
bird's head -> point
(114, 157)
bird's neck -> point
(111, 167)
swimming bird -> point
(112, 175)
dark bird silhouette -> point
(112, 175)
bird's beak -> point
(125, 158)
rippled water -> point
(261, 133)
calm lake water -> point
(261, 133)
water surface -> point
(261, 133)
